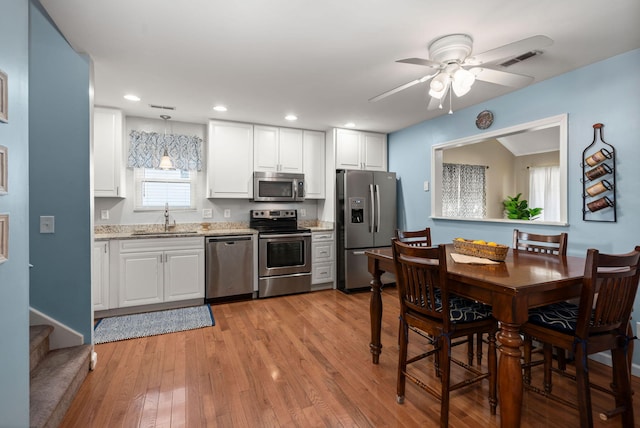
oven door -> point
(284, 254)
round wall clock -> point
(484, 119)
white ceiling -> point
(319, 59)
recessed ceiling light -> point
(220, 108)
(132, 97)
(349, 125)
(291, 117)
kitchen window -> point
(156, 187)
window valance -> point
(146, 149)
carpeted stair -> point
(56, 377)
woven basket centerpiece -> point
(496, 252)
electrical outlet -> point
(207, 213)
(47, 224)
(303, 212)
(104, 214)
(227, 213)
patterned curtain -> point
(464, 191)
(146, 149)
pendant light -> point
(165, 161)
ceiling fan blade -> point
(401, 87)
(420, 61)
(501, 77)
(510, 50)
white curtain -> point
(464, 191)
(544, 191)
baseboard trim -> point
(62, 335)
(605, 358)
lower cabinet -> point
(323, 260)
(100, 276)
(159, 270)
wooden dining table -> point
(524, 280)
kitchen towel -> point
(462, 258)
(152, 323)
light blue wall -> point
(14, 273)
(607, 92)
(59, 180)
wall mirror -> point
(472, 176)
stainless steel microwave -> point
(278, 187)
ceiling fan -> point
(453, 68)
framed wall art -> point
(4, 237)
(4, 176)
(4, 97)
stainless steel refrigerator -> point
(366, 218)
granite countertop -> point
(185, 230)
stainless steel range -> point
(284, 253)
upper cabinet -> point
(108, 180)
(361, 150)
(277, 149)
(313, 148)
(230, 160)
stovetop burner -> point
(275, 221)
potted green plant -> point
(518, 209)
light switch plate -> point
(47, 224)
(425, 186)
(227, 213)
(207, 213)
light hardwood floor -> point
(295, 361)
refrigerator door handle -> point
(378, 212)
(372, 215)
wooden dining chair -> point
(426, 304)
(540, 244)
(598, 323)
(420, 238)
(543, 244)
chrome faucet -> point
(166, 217)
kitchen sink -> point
(169, 233)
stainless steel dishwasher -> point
(229, 266)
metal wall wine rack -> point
(599, 179)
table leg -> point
(510, 376)
(375, 312)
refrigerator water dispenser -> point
(356, 205)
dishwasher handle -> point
(228, 239)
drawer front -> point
(160, 244)
(322, 236)
(323, 272)
(322, 251)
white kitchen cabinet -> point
(230, 160)
(277, 149)
(361, 150)
(158, 270)
(184, 274)
(314, 164)
(323, 260)
(141, 278)
(108, 161)
(100, 276)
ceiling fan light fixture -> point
(439, 94)
(439, 83)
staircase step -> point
(38, 344)
(55, 382)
